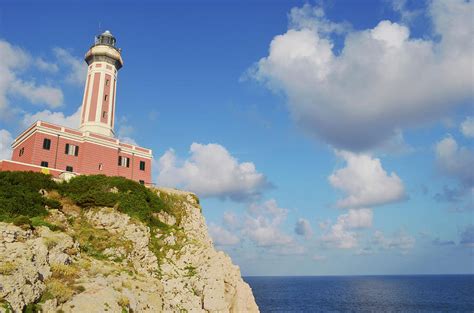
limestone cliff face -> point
(102, 260)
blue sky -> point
(324, 138)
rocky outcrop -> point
(198, 278)
(103, 260)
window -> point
(106, 97)
(100, 166)
(71, 150)
(123, 161)
(44, 164)
(22, 150)
(142, 182)
(142, 165)
(107, 81)
(46, 144)
(104, 114)
(69, 169)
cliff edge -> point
(100, 244)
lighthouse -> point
(98, 105)
(91, 149)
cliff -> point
(72, 253)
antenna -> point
(100, 28)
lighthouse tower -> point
(98, 105)
(93, 149)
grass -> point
(64, 272)
(93, 241)
(7, 268)
(191, 271)
(50, 242)
(57, 289)
(123, 302)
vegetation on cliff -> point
(25, 198)
(99, 243)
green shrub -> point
(21, 220)
(19, 195)
(131, 197)
(39, 221)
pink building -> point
(92, 149)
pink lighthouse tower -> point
(91, 149)
(98, 106)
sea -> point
(419, 293)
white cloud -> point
(342, 234)
(319, 258)
(399, 241)
(230, 220)
(467, 236)
(309, 17)
(58, 118)
(46, 66)
(262, 224)
(125, 131)
(323, 225)
(406, 15)
(14, 61)
(455, 161)
(365, 182)
(303, 228)
(361, 218)
(288, 249)
(211, 171)
(381, 81)
(6, 140)
(364, 251)
(467, 127)
(78, 68)
(221, 236)
(51, 96)
(340, 237)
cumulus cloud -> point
(399, 241)
(262, 224)
(211, 171)
(381, 81)
(342, 234)
(467, 127)
(78, 68)
(53, 97)
(6, 140)
(455, 161)
(125, 131)
(303, 228)
(231, 221)
(222, 236)
(313, 17)
(406, 15)
(14, 61)
(46, 66)
(365, 182)
(58, 118)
